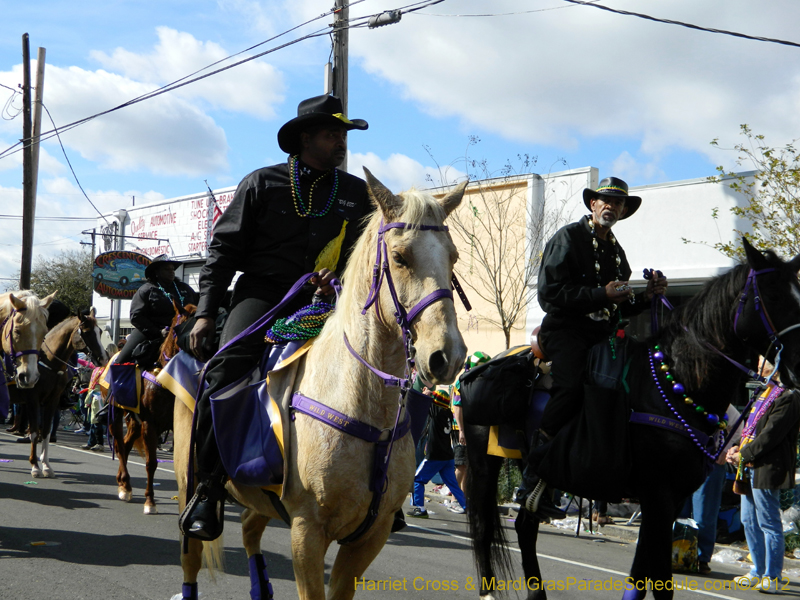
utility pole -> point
(341, 39)
(28, 207)
(37, 120)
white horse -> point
(327, 481)
(23, 325)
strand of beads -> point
(617, 260)
(689, 429)
(305, 324)
(679, 390)
(168, 295)
(297, 196)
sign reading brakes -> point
(119, 273)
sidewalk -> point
(620, 530)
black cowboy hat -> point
(320, 110)
(613, 187)
(155, 264)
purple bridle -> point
(9, 359)
(381, 272)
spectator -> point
(459, 441)
(438, 457)
(766, 458)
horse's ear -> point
(93, 312)
(16, 302)
(388, 202)
(755, 259)
(82, 317)
(794, 264)
(48, 300)
(453, 199)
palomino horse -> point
(23, 325)
(754, 309)
(58, 348)
(145, 428)
(326, 489)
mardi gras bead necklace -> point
(168, 295)
(679, 390)
(305, 324)
(604, 313)
(297, 196)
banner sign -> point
(119, 273)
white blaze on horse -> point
(23, 325)
(327, 485)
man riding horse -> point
(284, 221)
(583, 288)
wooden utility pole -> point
(37, 120)
(341, 39)
(28, 206)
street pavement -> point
(71, 538)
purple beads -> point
(659, 355)
(678, 388)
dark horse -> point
(146, 427)
(56, 370)
(749, 310)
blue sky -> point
(570, 85)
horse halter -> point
(381, 272)
(761, 311)
(10, 365)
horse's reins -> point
(774, 337)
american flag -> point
(217, 210)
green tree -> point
(771, 195)
(70, 272)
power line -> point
(688, 25)
(70, 164)
(16, 217)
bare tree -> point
(500, 229)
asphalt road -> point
(70, 538)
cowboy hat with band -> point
(613, 187)
(151, 272)
(319, 111)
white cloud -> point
(627, 167)
(562, 76)
(253, 88)
(399, 172)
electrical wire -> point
(70, 164)
(688, 25)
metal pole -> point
(341, 38)
(27, 170)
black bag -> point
(498, 391)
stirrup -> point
(532, 502)
(187, 518)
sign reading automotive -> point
(119, 273)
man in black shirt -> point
(284, 221)
(583, 288)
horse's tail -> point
(213, 557)
(489, 544)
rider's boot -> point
(534, 495)
(204, 515)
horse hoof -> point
(150, 509)
(49, 473)
(125, 496)
(36, 473)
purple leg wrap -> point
(631, 593)
(260, 587)
(189, 591)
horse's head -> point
(23, 332)
(90, 333)
(769, 319)
(421, 256)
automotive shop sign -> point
(118, 274)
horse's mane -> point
(707, 318)
(34, 304)
(58, 330)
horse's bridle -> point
(381, 273)
(9, 360)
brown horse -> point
(146, 427)
(326, 488)
(58, 349)
(23, 325)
